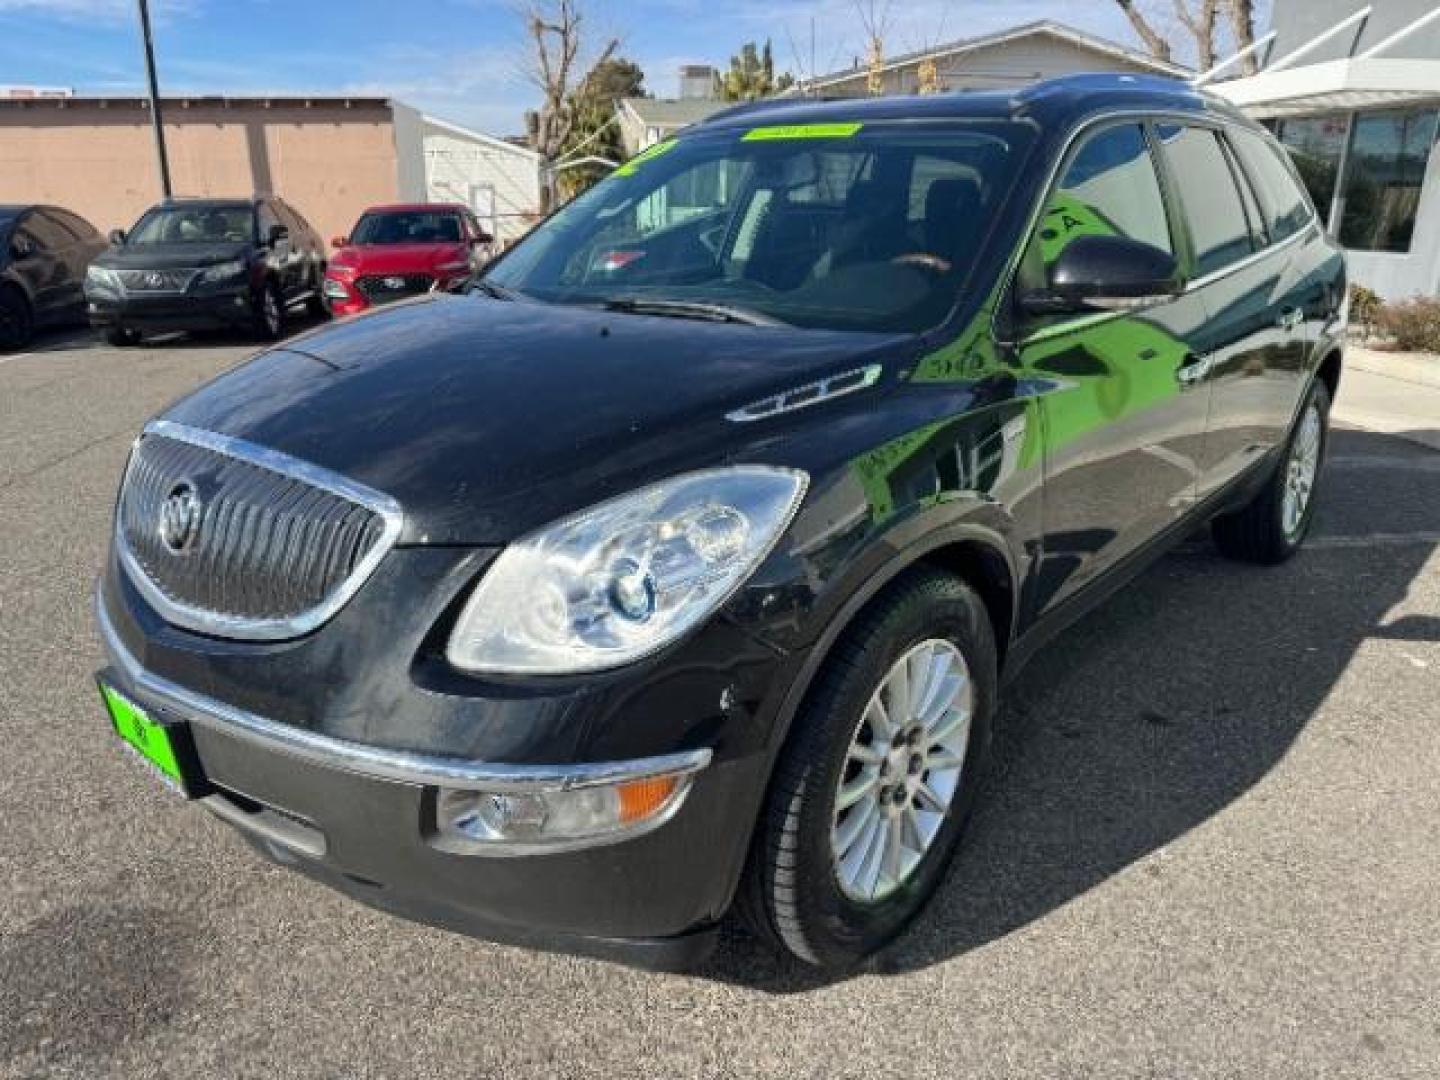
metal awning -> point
(1335, 86)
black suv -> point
(207, 264)
(44, 251)
(679, 566)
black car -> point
(43, 254)
(678, 568)
(207, 264)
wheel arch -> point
(977, 553)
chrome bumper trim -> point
(396, 765)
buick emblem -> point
(394, 283)
(180, 516)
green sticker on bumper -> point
(802, 131)
(145, 735)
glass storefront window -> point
(1386, 168)
(1316, 144)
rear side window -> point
(1109, 188)
(1213, 209)
(1286, 211)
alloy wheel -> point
(902, 770)
(1301, 469)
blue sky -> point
(460, 59)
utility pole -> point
(156, 123)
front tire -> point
(878, 777)
(1273, 525)
(17, 321)
(269, 316)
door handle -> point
(1289, 318)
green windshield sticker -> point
(628, 169)
(802, 131)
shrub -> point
(1413, 323)
(1365, 307)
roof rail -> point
(743, 108)
(1098, 82)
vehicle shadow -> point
(71, 338)
(1143, 721)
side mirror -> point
(1108, 272)
(338, 242)
(278, 233)
(117, 237)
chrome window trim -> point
(400, 766)
(1134, 116)
(245, 628)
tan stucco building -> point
(329, 157)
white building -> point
(1353, 91)
(445, 162)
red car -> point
(399, 251)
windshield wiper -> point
(495, 292)
(690, 309)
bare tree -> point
(556, 30)
(1154, 41)
(1242, 28)
(1201, 24)
(1201, 19)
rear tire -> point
(808, 887)
(1273, 525)
(17, 320)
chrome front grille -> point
(156, 281)
(235, 540)
(381, 287)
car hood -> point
(168, 256)
(486, 419)
(398, 258)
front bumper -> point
(218, 310)
(357, 815)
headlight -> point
(623, 579)
(214, 275)
(103, 278)
(334, 290)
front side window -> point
(1388, 155)
(1286, 212)
(1109, 188)
(1213, 208)
(193, 225)
(869, 226)
(1316, 144)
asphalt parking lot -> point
(1211, 846)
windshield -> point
(194, 225)
(837, 226)
(407, 227)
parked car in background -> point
(681, 564)
(44, 251)
(206, 264)
(399, 251)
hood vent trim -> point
(814, 393)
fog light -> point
(521, 822)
